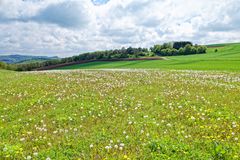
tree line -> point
(178, 48)
(166, 49)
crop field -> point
(226, 58)
(120, 114)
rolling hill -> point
(13, 59)
(226, 58)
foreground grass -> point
(226, 59)
(129, 114)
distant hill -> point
(14, 59)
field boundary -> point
(100, 60)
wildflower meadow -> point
(119, 114)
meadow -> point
(226, 58)
(120, 114)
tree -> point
(156, 49)
(187, 49)
(3, 65)
(181, 51)
(130, 51)
(194, 50)
(182, 44)
(166, 45)
(201, 49)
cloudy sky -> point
(69, 27)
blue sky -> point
(69, 27)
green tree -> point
(187, 49)
(3, 65)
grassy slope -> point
(227, 58)
(140, 114)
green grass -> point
(226, 59)
(125, 114)
(121, 114)
(32, 61)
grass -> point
(226, 59)
(121, 114)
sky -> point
(69, 27)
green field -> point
(227, 58)
(120, 114)
(164, 111)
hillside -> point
(14, 59)
(226, 58)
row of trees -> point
(110, 54)
(178, 48)
(166, 49)
(6, 66)
(98, 55)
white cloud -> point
(69, 14)
(68, 27)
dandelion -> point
(234, 125)
(121, 144)
(5, 149)
(169, 125)
(29, 157)
(108, 147)
(35, 154)
(48, 158)
(91, 146)
(179, 107)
